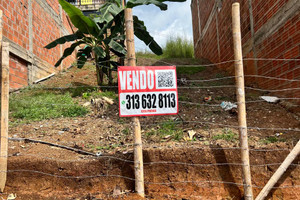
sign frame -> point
(139, 91)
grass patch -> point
(39, 105)
(227, 135)
(167, 128)
(272, 139)
(176, 47)
(109, 94)
(189, 70)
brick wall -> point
(29, 25)
(270, 29)
(18, 72)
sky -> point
(176, 21)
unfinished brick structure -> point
(28, 25)
(270, 29)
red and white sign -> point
(145, 91)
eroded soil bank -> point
(196, 172)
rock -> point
(86, 104)
(65, 129)
(60, 132)
(108, 100)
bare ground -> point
(103, 132)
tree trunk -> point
(99, 72)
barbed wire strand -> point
(225, 125)
(224, 62)
(246, 76)
(180, 87)
(199, 148)
(132, 179)
(153, 163)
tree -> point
(103, 36)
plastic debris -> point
(278, 134)
(98, 153)
(270, 99)
(11, 197)
(206, 99)
(226, 105)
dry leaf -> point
(191, 134)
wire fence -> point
(185, 86)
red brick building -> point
(270, 29)
(28, 25)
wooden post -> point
(4, 113)
(283, 167)
(138, 150)
(240, 93)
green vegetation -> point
(227, 135)
(148, 54)
(102, 36)
(126, 131)
(38, 105)
(271, 139)
(175, 48)
(178, 48)
(108, 147)
(167, 128)
(189, 70)
(182, 97)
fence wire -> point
(184, 82)
(132, 179)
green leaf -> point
(109, 11)
(83, 23)
(117, 47)
(172, 0)
(140, 31)
(82, 56)
(99, 52)
(68, 51)
(64, 39)
(134, 3)
(158, 3)
(81, 60)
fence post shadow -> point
(225, 172)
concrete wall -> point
(29, 25)
(270, 29)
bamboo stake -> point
(1, 14)
(276, 176)
(4, 113)
(240, 93)
(138, 150)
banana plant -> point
(102, 37)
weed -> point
(86, 95)
(79, 91)
(125, 131)
(166, 128)
(227, 135)
(176, 47)
(113, 146)
(271, 139)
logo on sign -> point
(147, 91)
